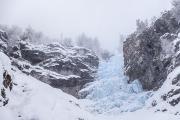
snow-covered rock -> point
(167, 98)
(148, 55)
(66, 68)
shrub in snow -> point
(7, 80)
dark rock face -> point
(3, 36)
(11, 51)
(147, 56)
(66, 68)
(3, 41)
(33, 56)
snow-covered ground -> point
(31, 99)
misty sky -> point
(105, 19)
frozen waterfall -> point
(111, 93)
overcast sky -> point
(105, 19)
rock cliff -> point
(153, 58)
(148, 55)
(67, 68)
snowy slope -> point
(166, 94)
(4, 65)
(31, 99)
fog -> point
(105, 19)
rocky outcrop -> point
(169, 93)
(3, 36)
(148, 56)
(66, 68)
(153, 57)
(3, 41)
(167, 98)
